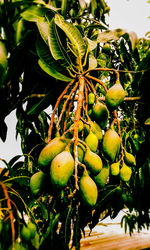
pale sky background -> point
(131, 15)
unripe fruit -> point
(88, 190)
(92, 141)
(115, 95)
(25, 233)
(95, 128)
(93, 162)
(81, 151)
(61, 169)
(91, 98)
(102, 177)
(53, 148)
(37, 183)
(111, 144)
(3, 55)
(80, 128)
(125, 173)
(129, 159)
(17, 246)
(32, 227)
(100, 114)
(114, 168)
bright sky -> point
(131, 15)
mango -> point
(88, 190)
(129, 159)
(115, 168)
(91, 98)
(37, 183)
(102, 178)
(93, 162)
(81, 151)
(100, 114)
(95, 128)
(125, 173)
(115, 95)
(111, 144)
(92, 141)
(61, 169)
(53, 148)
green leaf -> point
(147, 122)
(54, 45)
(73, 34)
(43, 28)
(133, 39)
(34, 13)
(53, 72)
(48, 64)
(92, 61)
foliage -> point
(53, 54)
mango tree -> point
(81, 97)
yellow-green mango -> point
(92, 141)
(100, 114)
(37, 183)
(125, 173)
(111, 144)
(115, 168)
(95, 128)
(17, 246)
(91, 98)
(53, 148)
(115, 95)
(102, 177)
(80, 128)
(129, 159)
(93, 162)
(61, 169)
(88, 190)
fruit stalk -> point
(76, 125)
(97, 80)
(56, 106)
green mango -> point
(102, 177)
(53, 148)
(81, 126)
(17, 246)
(93, 162)
(25, 233)
(61, 169)
(129, 159)
(92, 141)
(111, 144)
(95, 128)
(88, 190)
(115, 168)
(115, 95)
(125, 173)
(100, 114)
(37, 183)
(91, 98)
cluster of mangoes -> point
(98, 151)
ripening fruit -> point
(25, 233)
(91, 98)
(114, 168)
(37, 183)
(95, 128)
(111, 144)
(92, 141)
(32, 227)
(115, 95)
(61, 169)
(93, 162)
(100, 114)
(125, 173)
(53, 148)
(88, 190)
(129, 159)
(102, 177)
(81, 126)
